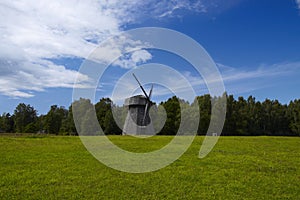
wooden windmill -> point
(138, 121)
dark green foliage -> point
(85, 117)
(204, 103)
(7, 123)
(23, 116)
(110, 126)
(172, 108)
(54, 118)
(293, 114)
(102, 107)
(244, 117)
(68, 125)
(255, 117)
(30, 128)
(105, 117)
(231, 116)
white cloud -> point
(239, 80)
(32, 31)
(123, 52)
(140, 56)
(129, 61)
(35, 77)
(141, 10)
(298, 3)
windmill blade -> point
(141, 87)
(150, 93)
(146, 112)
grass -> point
(237, 168)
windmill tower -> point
(138, 121)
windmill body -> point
(138, 121)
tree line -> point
(244, 117)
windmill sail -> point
(141, 87)
(138, 121)
(148, 104)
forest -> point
(244, 117)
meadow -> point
(57, 167)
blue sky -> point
(255, 44)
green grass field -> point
(238, 168)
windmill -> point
(138, 121)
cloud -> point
(31, 77)
(140, 56)
(237, 81)
(121, 51)
(34, 31)
(241, 80)
(135, 11)
(133, 59)
(298, 3)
